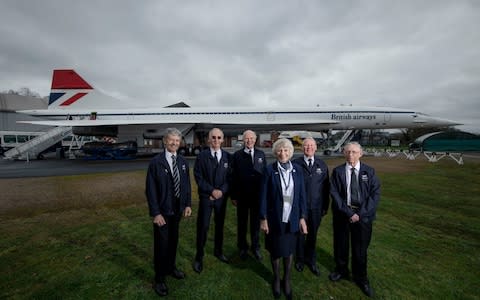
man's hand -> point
(355, 218)
(264, 226)
(159, 220)
(303, 226)
(216, 194)
(187, 212)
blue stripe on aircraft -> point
(54, 97)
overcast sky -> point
(422, 55)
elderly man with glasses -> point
(211, 174)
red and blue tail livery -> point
(67, 88)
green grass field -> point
(90, 237)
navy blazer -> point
(317, 184)
(247, 176)
(159, 186)
(369, 186)
(271, 199)
(210, 177)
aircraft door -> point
(387, 117)
(270, 116)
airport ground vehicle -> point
(106, 150)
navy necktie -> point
(354, 190)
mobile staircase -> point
(34, 147)
(347, 137)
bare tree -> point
(23, 91)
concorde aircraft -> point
(74, 102)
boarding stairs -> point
(347, 137)
(32, 148)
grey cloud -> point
(421, 55)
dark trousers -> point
(244, 209)
(203, 222)
(306, 244)
(165, 242)
(359, 234)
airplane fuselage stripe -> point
(340, 114)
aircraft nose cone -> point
(449, 122)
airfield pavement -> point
(60, 167)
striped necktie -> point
(176, 177)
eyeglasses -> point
(216, 137)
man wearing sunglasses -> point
(211, 169)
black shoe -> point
(198, 266)
(161, 289)
(257, 254)
(222, 258)
(314, 269)
(243, 254)
(366, 289)
(299, 266)
(178, 274)
(336, 276)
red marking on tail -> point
(68, 79)
(73, 99)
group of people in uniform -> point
(285, 200)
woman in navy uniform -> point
(282, 212)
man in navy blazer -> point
(317, 187)
(355, 192)
(167, 202)
(211, 171)
(248, 166)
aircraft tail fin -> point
(70, 91)
(67, 88)
(68, 79)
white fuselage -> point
(313, 119)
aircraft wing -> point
(81, 123)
